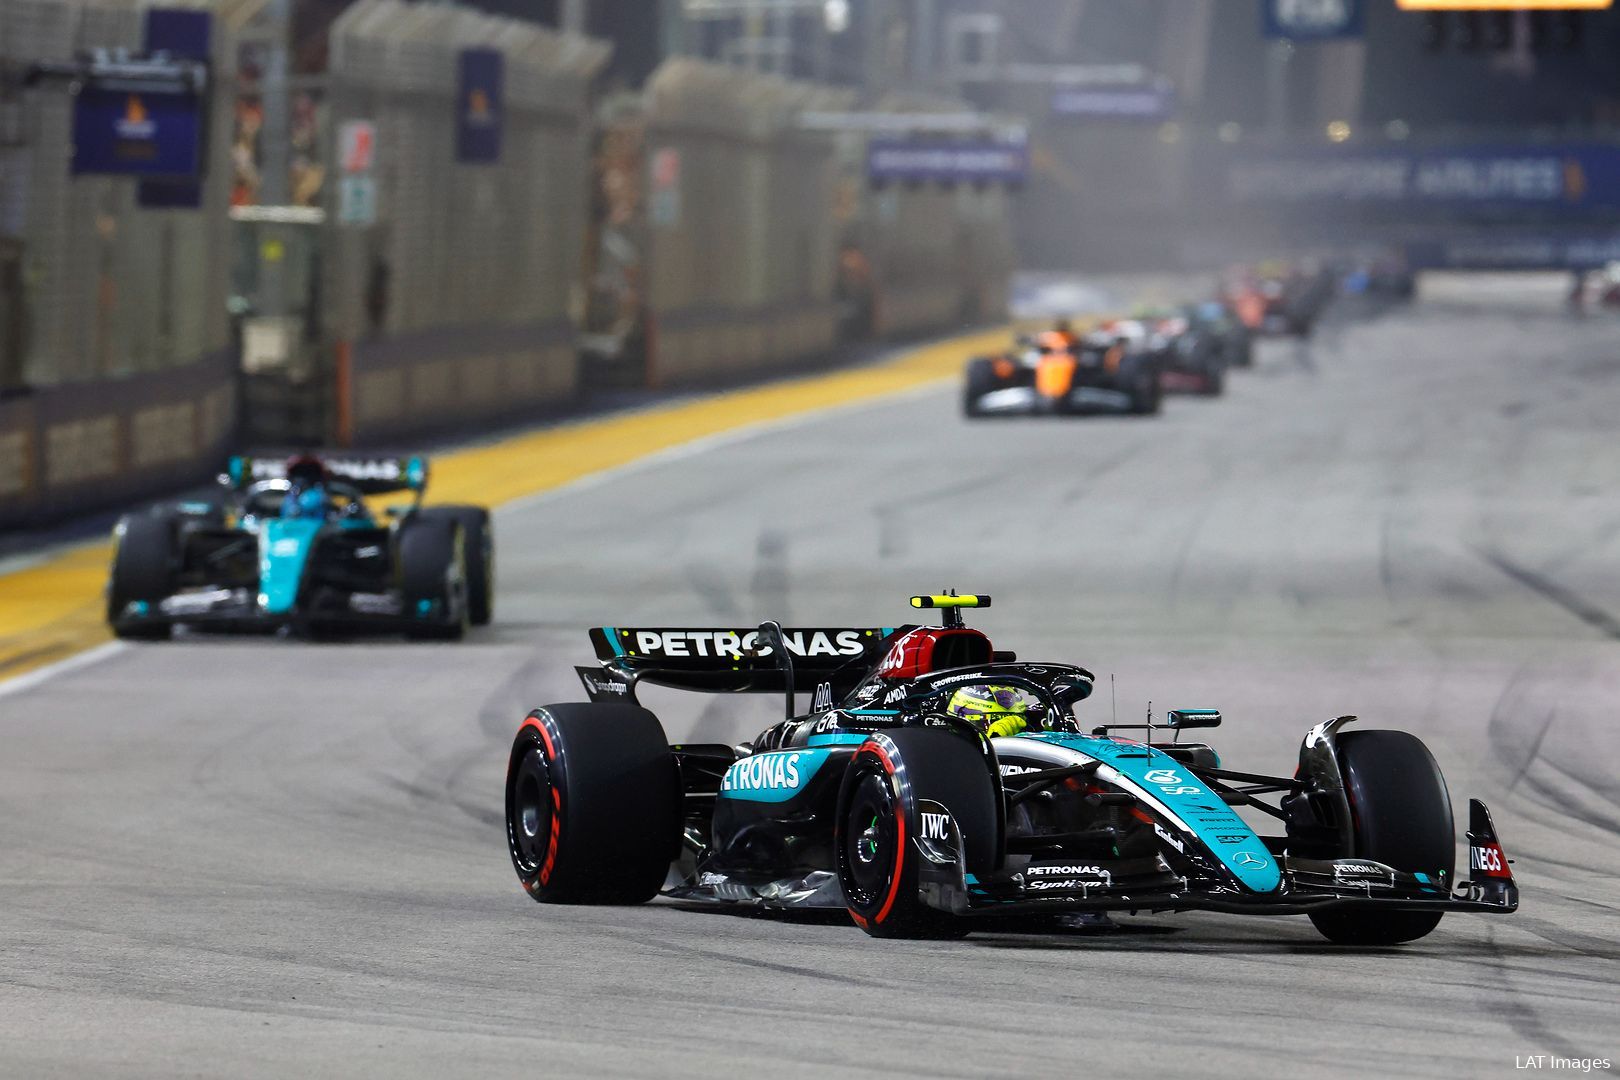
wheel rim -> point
(529, 813)
(869, 841)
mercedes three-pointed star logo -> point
(1248, 860)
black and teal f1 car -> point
(292, 543)
(886, 800)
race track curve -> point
(261, 858)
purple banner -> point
(1148, 102)
(981, 161)
(480, 105)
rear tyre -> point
(879, 821)
(1146, 393)
(433, 578)
(980, 380)
(1401, 816)
(593, 804)
(143, 571)
(1242, 350)
(478, 543)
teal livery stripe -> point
(612, 635)
(772, 777)
(284, 547)
(1172, 784)
(846, 738)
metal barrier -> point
(112, 289)
(741, 260)
(939, 256)
(428, 288)
(454, 304)
(69, 448)
(115, 377)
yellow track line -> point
(53, 610)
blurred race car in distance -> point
(898, 798)
(1218, 322)
(1194, 345)
(292, 543)
(1277, 298)
(1061, 372)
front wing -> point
(1151, 885)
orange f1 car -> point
(1058, 372)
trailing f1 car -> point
(1219, 325)
(935, 780)
(1058, 372)
(1278, 299)
(1193, 347)
(292, 543)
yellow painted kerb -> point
(50, 611)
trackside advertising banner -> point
(1516, 251)
(1568, 177)
(1311, 20)
(1146, 102)
(969, 161)
(480, 106)
(136, 134)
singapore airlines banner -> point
(1561, 178)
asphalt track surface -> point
(244, 857)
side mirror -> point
(1191, 718)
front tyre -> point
(593, 804)
(979, 380)
(478, 548)
(143, 574)
(1401, 815)
(880, 821)
(433, 578)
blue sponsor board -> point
(1311, 20)
(978, 161)
(185, 33)
(480, 106)
(132, 133)
(1143, 102)
(1516, 251)
(179, 32)
(1561, 178)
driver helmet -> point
(306, 487)
(305, 471)
(1053, 341)
(995, 710)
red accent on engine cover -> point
(920, 652)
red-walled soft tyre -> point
(592, 804)
(879, 819)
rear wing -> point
(370, 474)
(733, 659)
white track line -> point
(33, 678)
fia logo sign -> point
(1312, 18)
